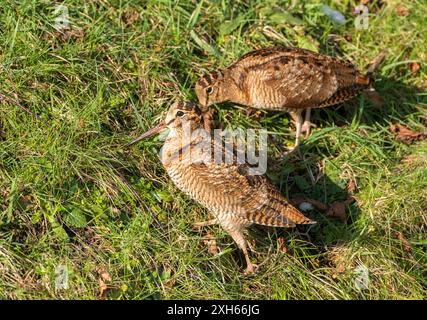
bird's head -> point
(210, 88)
(179, 114)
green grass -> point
(66, 183)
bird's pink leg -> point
(306, 126)
(298, 133)
(297, 119)
(238, 237)
(199, 225)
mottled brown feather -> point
(234, 196)
(284, 78)
(252, 197)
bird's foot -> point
(250, 269)
(253, 112)
(198, 225)
(291, 151)
(306, 127)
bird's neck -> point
(184, 146)
(233, 89)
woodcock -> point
(236, 198)
(282, 79)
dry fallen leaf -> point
(104, 277)
(102, 287)
(376, 62)
(341, 268)
(254, 113)
(210, 242)
(415, 67)
(348, 38)
(352, 186)
(281, 241)
(405, 243)
(338, 209)
(130, 16)
(296, 201)
(69, 34)
(375, 98)
(405, 134)
(402, 11)
(26, 201)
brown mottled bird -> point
(282, 79)
(230, 191)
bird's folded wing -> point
(304, 82)
(251, 197)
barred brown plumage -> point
(282, 79)
(235, 198)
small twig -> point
(16, 102)
(375, 64)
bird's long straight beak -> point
(162, 125)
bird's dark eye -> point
(180, 114)
(209, 90)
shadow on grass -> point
(392, 102)
(305, 179)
